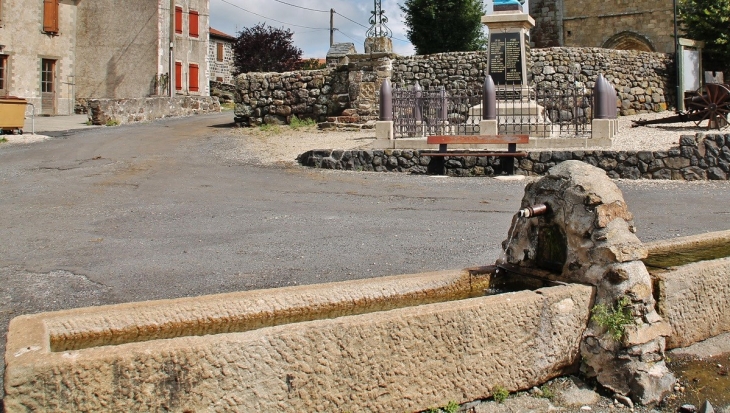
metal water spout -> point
(533, 211)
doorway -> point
(48, 87)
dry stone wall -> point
(119, 111)
(349, 93)
(700, 157)
(275, 97)
(643, 80)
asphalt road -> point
(162, 210)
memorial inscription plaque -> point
(505, 58)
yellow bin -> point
(12, 114)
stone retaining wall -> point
(119, 111)
(698, 157)
(349, 94)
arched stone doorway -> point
(629, 41)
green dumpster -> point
(12, 114)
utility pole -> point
(332, 27)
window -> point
(3, 74)
(193, 23)
(47, 75)
(219, 52)
(50, 16)
(178, 20)
(178, 76)
(193, 77)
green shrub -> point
(452, 407)
(613, 319)
(500, 394)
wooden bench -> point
(510, 140)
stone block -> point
(602, 128)
(403, 359)
(692, 298)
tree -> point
(708, 21)
(265, 49)
(313, 64)
(436, 26)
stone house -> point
(614, 24)
(37, 52)
(58, 52)
(220, 56)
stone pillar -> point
(378, 45)
(366, 73)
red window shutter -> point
(50, 16)
(193, 74)
(193, 23)
(178, 76)
(178, 20)
(219, 50)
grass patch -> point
(297, 123)
(112, 122)
(500, 394)
(451, 407)
(547, 393)
(269, 128)
(228, 106)
(3, 139)
(613, 319)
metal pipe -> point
(533, 211)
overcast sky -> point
(310, 27)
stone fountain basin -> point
(691, 277)
(402, 343)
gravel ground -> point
(281, 144)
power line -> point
(300, 7)
(347, 18)
(269, 18)
(343, 33)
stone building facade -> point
(614, 24)
(37, 56)
(220, 56)
(123, 48)
(55, 52)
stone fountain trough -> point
(400, 343)
(691, 278)
(369, 345)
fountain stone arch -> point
(587, 236)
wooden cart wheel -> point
(712, 106)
